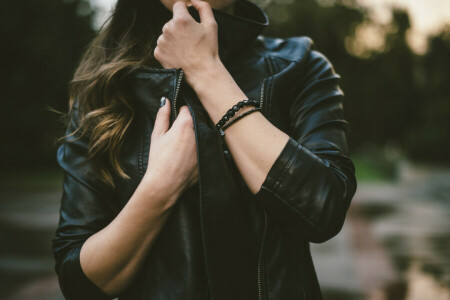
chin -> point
(220, 4)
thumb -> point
(162, 118)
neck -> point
(229, 9)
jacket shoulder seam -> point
(304, 42)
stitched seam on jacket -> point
(287, 166)
(284, 169)
(296, 210)
(143, 72)
(272, 180)
(269, 64)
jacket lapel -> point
(231, 258)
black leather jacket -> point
(221, 241)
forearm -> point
(112, 257)
(253, 141)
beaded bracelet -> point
(232, 111)
(222, 132)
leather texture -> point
(221, 241)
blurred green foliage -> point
(393, 96)
(374, 168)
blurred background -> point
(394, 60)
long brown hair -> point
(104, 112)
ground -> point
(394, 244)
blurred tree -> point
(330, 24)
(430, 139)
(383, 93)
(393, 97)
(41, 44)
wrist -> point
(159, 189)
(204, 75)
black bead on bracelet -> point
(232, 111)
(237, 119)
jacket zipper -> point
(261, 249)
(177, 89)
(261, 100)
(260, 258)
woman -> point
(163, 200)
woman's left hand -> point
(186, 43)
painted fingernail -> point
(163, 101)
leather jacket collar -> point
(235, 31)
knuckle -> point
(212, 25)
(184, 109)
(184, 116)
(181, 20)
(187, 123)
(157, 53)
(164, 28)
(159, 40)
(186, 119)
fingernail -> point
(163, 101)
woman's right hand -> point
(172, 161)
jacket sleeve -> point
(312, 182)
(84, 210)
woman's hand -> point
(186, 43)
(172, 159)
(112, 257)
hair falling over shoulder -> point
(104, 111)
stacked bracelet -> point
(240, 117)
(232, 111)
